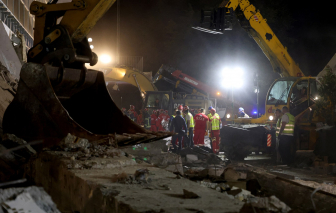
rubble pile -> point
(30, 199)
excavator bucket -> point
(52, 102)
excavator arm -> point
(57, 94)
(256, 26)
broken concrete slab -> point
(294, 194)
(191, 158)
(10, 198)
(92, 190)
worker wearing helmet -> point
(242, 113)
(147, 119)
(123, 110)
(153, 121)
(201, 121)
(180, 108)
(174, 140)
(209, 125)
(178, 127)
(215, 126)
(190, 125)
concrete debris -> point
(231, 175)
(189, 195)
(327, 187)
(271, 203)
(30, 199)
(141, 175)
(239, 194)
(72, 142)
(191, 158)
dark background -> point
(160, 31)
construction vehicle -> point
(168, 100)
(57, 94)
(246, 134)
(195, 94)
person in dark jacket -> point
(178, 126)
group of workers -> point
(151, 122)
(285, 135)
(191, 129)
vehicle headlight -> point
(271, 118)
(228, 116)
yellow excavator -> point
(57, 94)
(293, 89)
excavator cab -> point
(297, 93)
(156, 100)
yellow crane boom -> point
(256, 26)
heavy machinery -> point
(293, 90)
(195, 93)
(57, 94)
(168, 100)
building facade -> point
(15, 15)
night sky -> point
(160, 31)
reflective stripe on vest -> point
(192, 124)
(215, 122)
(147, 122)
(278, 125)
(289, 128)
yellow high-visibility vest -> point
(289, 128)
(192, 123)
(215, 122)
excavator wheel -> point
(52, 102)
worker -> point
(158, 121)
(123, 110)
(178, 126)
(172, 117)
(180, 108)
(147, 119)
(190, 124)
(140, 118)
(286, 136)
(163, 118)
(215, 126)
(278, 115)
(201, 121)
(153, 121)
(135, 114)
(209, 125)
(174, 137)
(242, 113)
(131, 115)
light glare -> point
(105, 59)
(91, 46)
(89, 39)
